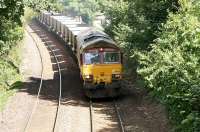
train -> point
(99, 57)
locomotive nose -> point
(102, 74)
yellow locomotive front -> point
(100, 62)
(102, 72)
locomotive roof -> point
(92, 32)
(94, 38)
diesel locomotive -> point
(99, 57)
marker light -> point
(116, 76)
(101, 49)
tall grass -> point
(10, 77)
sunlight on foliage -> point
(39, 5)
(172, 67)
(87, 9)
(11, 32)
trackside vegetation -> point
(38, 5)
(172, 68)
(11, 32)
(87, 9)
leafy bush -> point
(11, 32)
(11, 10)
(172, 68)
(87, 9)
(10, 22)
(39, 5)
(29, 14)
(9, 74)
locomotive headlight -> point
(116, 76)
(89, 78)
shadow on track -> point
(72, 92)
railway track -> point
(117, 112)
(41, 87)
(54, 127)
(118, 116)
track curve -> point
(29, 119)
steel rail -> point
(116, 108)
(91, 117)
(118, 116)
(40, 86)
(60, 87)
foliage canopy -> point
(39, 5)
(10, 22)
(85, 8)
(162, 40)
(172, 68)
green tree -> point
(85, 8)
(135, 23)
(12, 10)
(172, 68)
(11, 32)
(39, 5)
(10, 22)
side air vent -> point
(90, 38)
(93, 37)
